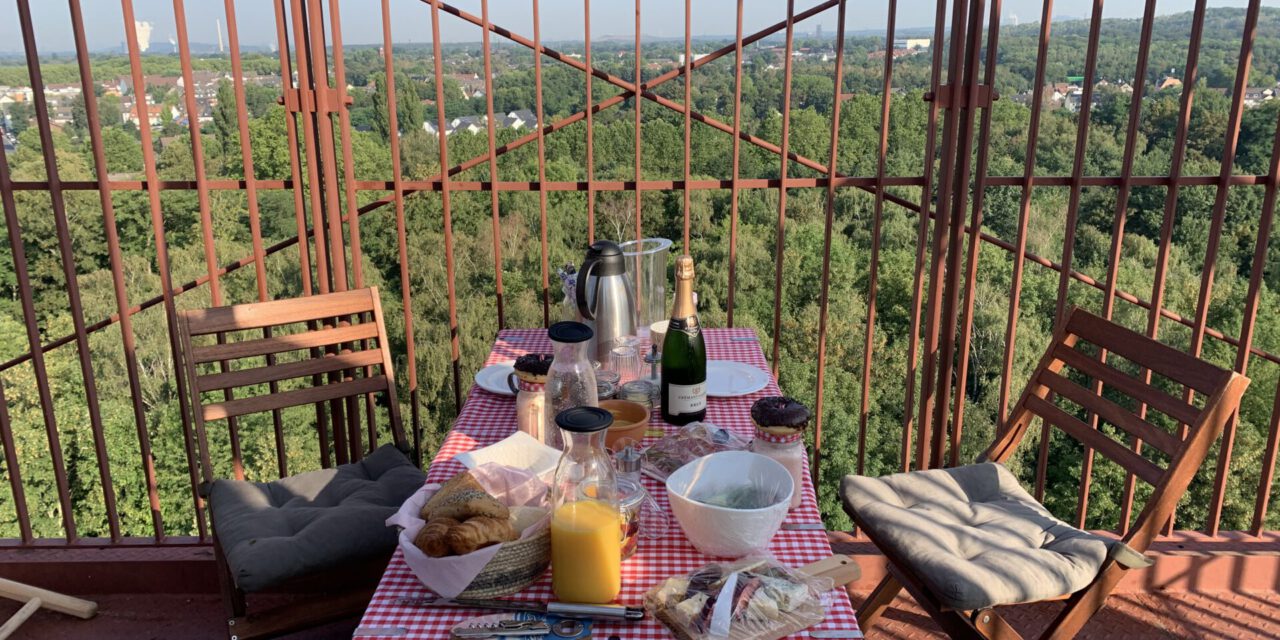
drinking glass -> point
(625, 360)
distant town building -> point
(1169, 82)
(911, 43)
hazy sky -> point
(561, 19)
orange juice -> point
(586, 552)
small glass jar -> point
(571, 380)
(529, 382)
(788, 449)
(639, 392)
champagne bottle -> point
(684, 355)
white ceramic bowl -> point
(722, 531)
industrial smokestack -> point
(221, 49)
(144, 34)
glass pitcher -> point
(647, 270)
(571, 380)
(586, 525)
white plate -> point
(493, 378)
(728, 379)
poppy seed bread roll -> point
(533, 367)
(780, 414)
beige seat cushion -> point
(975, 537)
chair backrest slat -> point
(294, 398)
(1117, 452)
(1111, 412)
(258, 315)
(267, 356)
(1135, 347)
(289, 370)
(202, 354)
(1138, 390)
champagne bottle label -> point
(686, 398)
(688, 326)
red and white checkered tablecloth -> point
(487, 418)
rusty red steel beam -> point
(255, 221)
(591, 158)
(1117, 240)
(1225, 448)
(635, 93)
(69, 272)
(446, 204)
(823, 296)
(735, 186)
(780, 237)
(111, 233)
(540, 135)
(13, 470)
(922, 235)
(974, 247)
(196, 457)
(206, 214)
(1256, 274)
(402, 247)
(688, 123)
(1177, 156)
(306, 107)
(932, 389)
(877, 218)
(490, 130)
(1073, 206)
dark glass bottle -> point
(684, 355)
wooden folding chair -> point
(323, 531)
(965, 540)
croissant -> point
(479, 532)
(470, 503)
(433, 538)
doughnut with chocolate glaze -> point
(780, 411)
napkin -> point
(519, 451)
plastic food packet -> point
(749, 599)
(691, 442)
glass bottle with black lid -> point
(586, 525)
(571, 380)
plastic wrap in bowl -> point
(731, 503)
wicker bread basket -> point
(517, 565)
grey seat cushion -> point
(975, 537)
(274, 531)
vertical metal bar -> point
(734, 189)
(780, 235)
(957, 195)
(112, 235)
(877, 217)
(1117, 237)
(322, 117)
(1177, 155)
(1024, 215)
(493, 162)
(1211, 256)
(312, 85)
(823, 297)
(688, 109)
(937, 349)
(588, 108)
(1246, 332)
(73, 289)
(445, 200)
(975, 223)
(542, 162)
(922, 236)
(255, 222)
(406, 297)
(1073, 208)
(196, 461)
(353, 223)
(635, 103)
(206, 216)
(10, 449)
(299, 208)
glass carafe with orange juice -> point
(586, 549)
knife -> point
(564, 609)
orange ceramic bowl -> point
(630, 420)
